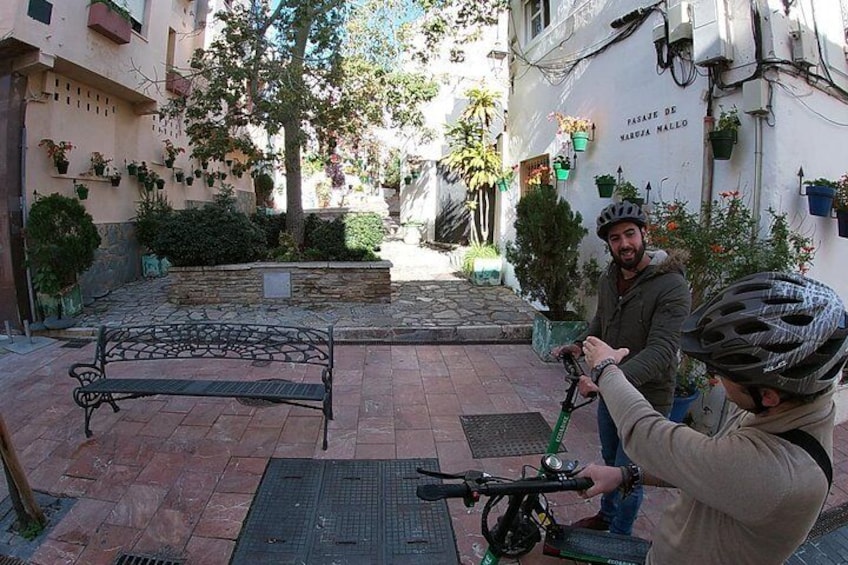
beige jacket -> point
(746, 495)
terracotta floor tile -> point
(163, 425)
(295, 450)
(412, 417)
(81, 521)
(203, 414)
(443, 404)
(438, 385)
(113, 483)
(223, 516)
(242, 475)
(375, 430)
(168, 531)
(107, 542)
(415, 443)
(55, 552)
(376, 451)
(377, 406)
(209, 551)
(228, 428)
(304, 429)
(163, 469)
(257, 442)
(137, 506)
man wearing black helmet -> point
(642, 302)
(750, 494)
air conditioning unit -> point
(711, 42)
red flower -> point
(671, 226)
(716, 248)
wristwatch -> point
(599, 368)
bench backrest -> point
(215, 341)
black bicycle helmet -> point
(778, 330)
(620, 212)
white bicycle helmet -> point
(778, 330)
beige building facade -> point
(70, 72)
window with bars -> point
(536, 166)
(536, 16)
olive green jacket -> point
(646, 320)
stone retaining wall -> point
(282, 283)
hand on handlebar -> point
(587, 388)
(605, 479)
(572, 348)
(596, 350)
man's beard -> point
(632, 261)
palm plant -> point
(474, 159)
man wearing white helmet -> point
(750, 494)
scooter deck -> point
(592, 546)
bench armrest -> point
(86, 373)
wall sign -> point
(645, 125)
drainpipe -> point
(758, 171)
(708, 165)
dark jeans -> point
(621, 513)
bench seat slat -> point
(271, 390)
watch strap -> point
(599, 368)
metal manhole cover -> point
(505, 435)
(830, 520)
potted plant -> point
(723, 137)
(61, 240)
(605, 184)
(171, 152)
(115, 177)
(545, 257)
(58, 152)
(506, 177)
(626, 191)
(81, 190)
(189, 180)
(142, 172)
(840, 204)
(562, 167)
(539, 175)
(210, 180)
(820, 195)
(179, 176)
(692, 382)
(153, 209)
(132, 168)
(198, 173)
(575, 127)
(99, 162)
(482, 264)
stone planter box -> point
(282, 283)
(177, 84)
(109, 23)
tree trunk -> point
(294, 181)
(26, 508)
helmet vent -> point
(750, 287)
(776, 300)
(738, 359)
(751, 327)
(780, 347)
(731, 308)
(798, 320)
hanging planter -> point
(580, 140)
(605, 184)
(722, 142)
(820, 194)
(132, 169)
(197, 173)
(169, 163)
(842, 222)
(62, 167)
(503, 185)
(210, 181)
(179, 175)
(160, 183)
(81, 190)
(115, 179)
(562, 167)
(189, 181)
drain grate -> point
(76, 343)
(830, 520)
(140, 559)
(11, 561)
(355, 512)
(505, 435)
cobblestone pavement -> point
(430, 303)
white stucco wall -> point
(621, 91)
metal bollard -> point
(9, 331)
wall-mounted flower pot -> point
(132, 169)
(562, 174)
(820, 199)
(109, 23)
(116, 180)
(210, 181)
(99, 170)
(197, 173)
(722, 142)
(487, 271)
(605, 189)
(189, 181)
(160, 183)
(580, 140)
(62, 167)
(82, 192)
(141, 175)
(169, 163)
(842, 222)
(503, 185)
(180, 176)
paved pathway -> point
(430, 303)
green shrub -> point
(213, 235)
(263, 186)
(271, 226)
(363, 231)
(545, 252)
(327, 241)
(151, 211)
(61, 240)
(478, 251)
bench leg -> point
(89, 410)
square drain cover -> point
(506, 435)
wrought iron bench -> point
(247, 342)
